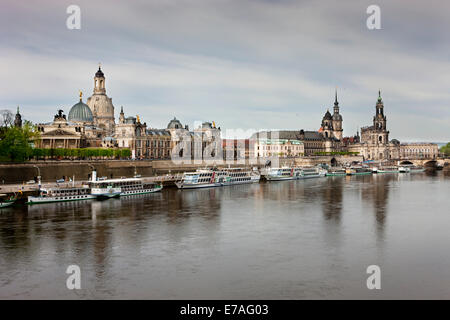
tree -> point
(6, 118)
(445, 149)
(16, 143)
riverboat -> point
(357, 171)
(47, 195)
(388, 169)
(336, 172)
(135, 186)
(202, 178)
(241, 176)
(312, 172)
(284, 173)
(411, 169)
(6, 201)
(104, 189)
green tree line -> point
(81, 153)
(335, 153)
(16, 143)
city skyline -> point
(274, 64)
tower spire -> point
(335, 98)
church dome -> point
(337, 117)
(80, 112)
(99, 73)
(174, 124)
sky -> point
(245, 64)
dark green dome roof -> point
(80, 112)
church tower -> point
(327, 126)
(337, 120)
(101, 105)
(379, 122)
(18, 119)
(121, 116)
(99, 82)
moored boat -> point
(241, 176)
(312, 172)
(356, 171)
(388, 169)
(336, 172)
(104, 189)
(6, 201)
(203, 178)
(284, 173)
(410, 168)
(61, 195)
(135, 186)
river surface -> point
(307, 239)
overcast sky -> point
(244, 64)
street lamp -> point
(39, 176)
(94, 173)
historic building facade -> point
(61, 134)
(144, 143)
(374, 143)
(327, 139)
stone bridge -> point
(428, 163)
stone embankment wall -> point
(53, 170)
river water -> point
(307, 239)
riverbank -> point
(50, 171)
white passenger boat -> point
(388, 169)
(415, 169)
(411, 169)
(336, 172)
(241, 176)
(135, 186)
(312, 172)
(294, 173)
(283, 173)
(358, 171)
(7, 202)
(202, 178)
(104, 189)
(61, 195)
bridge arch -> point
(333, 162)
(430, 164)
(406, 162)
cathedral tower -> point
(379, 122)
(101, 105)
(337, 120)
(327, 125)
(18, 119)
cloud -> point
(244, 64)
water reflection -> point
(175, 240)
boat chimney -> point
(94, 175)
